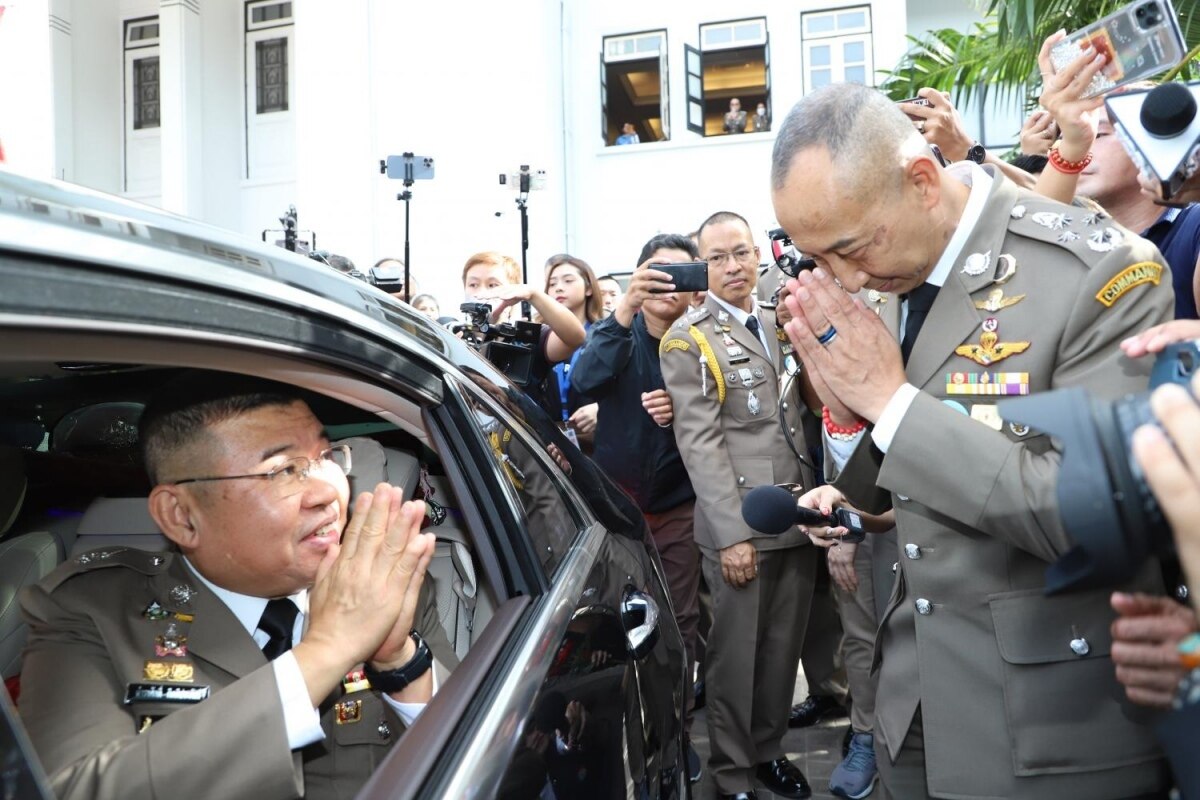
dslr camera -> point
(791, 262)
(1106, 506)
(1160, 129)
(508, 346)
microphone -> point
(772, 510)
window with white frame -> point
(633, 88)
(837, 47)
(142, 163)
(270, 90)
(729, 78)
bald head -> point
(867, 137)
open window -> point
(633, 88)
(837, 47)
(732, 67)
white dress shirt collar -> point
(972, 175)
(742, 316)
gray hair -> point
(864, 132)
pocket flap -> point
(1034, 629)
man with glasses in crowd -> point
(725, 369)
(270, 654)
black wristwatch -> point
(976, 153)
(395, 680)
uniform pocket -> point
(751, 471)
(1059, 680)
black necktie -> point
(753, 326)
(919, 300)
(278, 620)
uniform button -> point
(792, 431)
(1181, 592)
(902, 497)
(912, 551)
(1080, 646)
(924, 607)
(384, 730)
(785, 405)
(741, 480)
(895, 566)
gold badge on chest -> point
(990, 349)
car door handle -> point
(639, 615)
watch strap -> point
(395, 680)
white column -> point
(27, 96)
(180, 84)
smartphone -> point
(916, 101)
(689, 277)
(1141, 39)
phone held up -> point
(1140, 39)
(688, 277)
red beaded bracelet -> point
(840, 432)
(1069, 167)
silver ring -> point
(921, 127)
(828, 336)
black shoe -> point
(815, 708)
(783, 778)
(698, 693)
(739, 796)
(694, 769)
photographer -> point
(494, 278)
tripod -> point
(523, 205)
(405, 168)
(406, 196)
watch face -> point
(976, 153)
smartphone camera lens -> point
(1148, 15)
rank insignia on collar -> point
(990, 349)
(977, 263)
(155, 611)
(1093, 218)
(1104, 239)
(1052, 220)
(996, 301)
(348, 712)
(182, 594)
(1066, 237)
(876, 296)
(1018, 211)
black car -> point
(548, 584)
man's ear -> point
(171, 508)
(925, 176)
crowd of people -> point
(869, 381)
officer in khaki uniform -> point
(987, 688)
(725, 383)
(146, 675)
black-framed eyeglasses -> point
(289, 476)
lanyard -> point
(563, 371)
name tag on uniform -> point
(164, 693)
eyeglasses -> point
(742, 255)
(289, 477)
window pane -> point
(145, 93)
(856, 75)
(271, 75)
(818, 56)
(748, 32)
(648, 44)
(722, 35)
(693, 86)
(821, 77)
(854, 52)
(818, 23)
(696, 114)
(693, 62)
(852, 19)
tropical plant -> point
(998, 57)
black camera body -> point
(1105, 504)
(508, 346)
(791, 262)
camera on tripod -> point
(508, 346)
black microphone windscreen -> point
(769, 509)
(1168, 110)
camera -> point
(1105, 504)
(508, 346)
(388, 278)
(1160, 129)
(791, 262)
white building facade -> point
(231, 110)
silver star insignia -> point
(1068, 236)
(1052, 220)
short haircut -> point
(718, 218)
(423, 297)
(183, 410)
(1031, 163)
(866, 135)
(512, 270)
(593, 308)
(669, 241)
(386, 259)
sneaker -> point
(693, 764)
(855, 777)
(815, 708)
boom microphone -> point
(773, 510)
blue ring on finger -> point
(828, 336)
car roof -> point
(61, 220)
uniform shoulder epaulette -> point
(142, 561)
(694, 315)
(1086, 231)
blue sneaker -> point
(855, 777)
